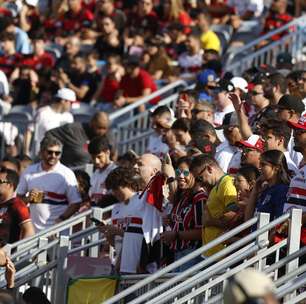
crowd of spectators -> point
(233, 146)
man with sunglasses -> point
(49, 187)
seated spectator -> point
(270, 191)
(190, 62)
(109, 85)
(206, 84)
(75, 137)
(15, 217)
(135, 84)
(22, 41)
(51, 116)
(100, 151)
(109, 41)
(185, 238)
(220, 202)
(9, 58)
(209, 39)
(50, 187)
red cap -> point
(253, 142)
(301, 124)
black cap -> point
(225, 85)
(291, 102)
(132, 60)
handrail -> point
(266, 36)
(146, 99)
(199, 251)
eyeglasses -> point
(179, 172)
(56, 153)
(3, 181)
(255, 93)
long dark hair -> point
(278, 159)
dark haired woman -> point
(270, 191)
(185, 220)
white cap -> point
(31, 2)
(66, 94)
(240, 83)
(247, 283)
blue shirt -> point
(22, 42)
(272, 200)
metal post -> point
(62, 252)
(263, 219)
(94, 251)
(294, 238)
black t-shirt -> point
(105, 49)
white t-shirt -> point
(224, 154)
(295, 156)
(47, 119)
(242, 6)
(290, 163)
(60, 189)
(235, 162)
(9, 132)
(219, 115)
(156, 146)
(97, 181)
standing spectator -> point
(209, 39)
(15, 217)
(270, 191)
(185, 218)
(51, 116)
(221, 199)
(50, 187)
(135, 84)
(100, 151)
(76, 136)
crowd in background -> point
(233, 146)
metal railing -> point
(164, 92)
(204, 279)
(41, 260)
(292, 40)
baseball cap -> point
(291, 102)
(132, 60)
(253, 142)
(301, 124)
(240, 83)
(66, 94)
(225, 85)
(31, 2)
(206, 76)
(248, 283)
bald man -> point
(76, 136)
(148, 165)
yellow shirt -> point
(210, 40)
(221, 196)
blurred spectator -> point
(10, 163)
(49, 187)
(35, 295)
(51, 116)
(206, 84)
(16, 222)
(75, 137)
(250, 285)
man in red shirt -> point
(40, 59)
(135, 84)
(15, 220)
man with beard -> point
(50, 187)
(221, 201)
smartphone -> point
(97, 222)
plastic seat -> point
(22, 109)
(20, 119)
(83, 108)
(82, 117)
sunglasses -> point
(179, 172)
(3, 181)
(56, 153)
(255, 93)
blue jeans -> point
(179, 254)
